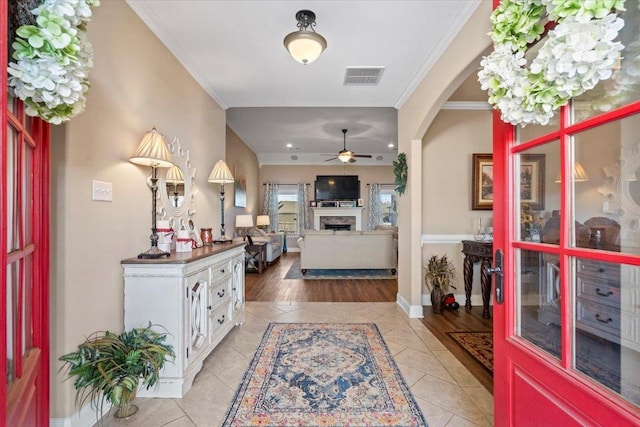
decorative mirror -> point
(622, 193)
(177, 188)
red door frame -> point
(39, 138)
(573, 400)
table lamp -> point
(263, 221)
(244, 221)
(221, 175)
(153, 152)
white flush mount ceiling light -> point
(305, 45)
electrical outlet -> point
(102, 191)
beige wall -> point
(415, 116)
(244, 165)
(136, 83)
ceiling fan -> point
(347, 156)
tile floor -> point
(445, 391)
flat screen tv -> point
(337, 187)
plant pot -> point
(436, 299)
(127, 409)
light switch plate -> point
(102, 191)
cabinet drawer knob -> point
(603, 294)
(599, 319)
(222, 270)
(208, 307)
(221, 319)
(221, 293)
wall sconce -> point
(305, 45)
(221, 175)
(263, 221)
(153, 152)
(175, 177)
(244, 221)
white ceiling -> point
(234, 50)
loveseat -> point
(329, 249)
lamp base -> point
(223, 239)
(153, 253)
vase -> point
(126, 408)
(207, 236)
(436, 299)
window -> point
(288, 209)
(388, 212)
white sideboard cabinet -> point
(197, 296)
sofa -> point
(329, 249)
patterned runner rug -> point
(323, 374)
(477, 344)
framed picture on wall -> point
(531, 181)
(239, 187)
(482, 182)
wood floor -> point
(270, 286)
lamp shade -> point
(579, 174)
(244, 221)
(221, 173)
(152, 151)
(174, 176)
(262, 220)
(305, 45)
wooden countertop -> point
(186, 257)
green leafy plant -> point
(401, 173)
(439, 271)
(109, 367)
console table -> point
(256, 253)
(476, 251)
(196, 296)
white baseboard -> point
(413, 311)
(85, 417)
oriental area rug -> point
(477, 344)
(319, 274)
(323, 374)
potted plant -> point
(438, 275)
(110, 367)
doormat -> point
(295, 272)
(323, 374)
(477, 344)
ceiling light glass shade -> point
(345, 156)
(262, 220)
(221, 173)
(305, 46)
(152, 151)
(579, 174)
(174, 176)
(244, 221)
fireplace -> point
(336, 227)
(337, 223)
(325, 218)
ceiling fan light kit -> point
(305, 45)
(347, 156)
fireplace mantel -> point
(320, 212)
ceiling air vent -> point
(369, 76)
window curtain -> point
(303, 208)
(270, 204)
(375, 206)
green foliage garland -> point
(401, 173)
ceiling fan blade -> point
(368, 156)
(333, 158)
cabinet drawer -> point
(598, 291)
(219, 293)
(600, 269)
(220, 270)
(219, 319)
(598, 319)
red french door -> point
(567, 219)
(24, 265)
